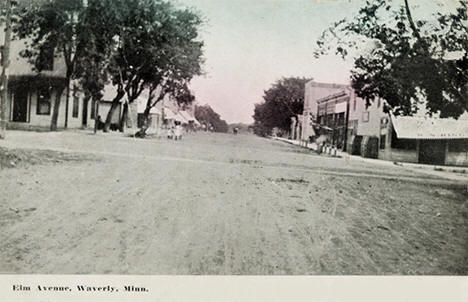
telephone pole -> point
(5, 71)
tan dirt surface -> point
(220, 204)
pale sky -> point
(249, 44)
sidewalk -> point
(311, 146)
(448, 172)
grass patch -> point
(15, 158)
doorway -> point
(85, 112)
(20, 106)
(432, 152)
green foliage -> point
(409, 61)
(207, 116)
(51, 25)
(157, 47)
(98, 29)
(178, 57)
(135, 44)
(282, 101)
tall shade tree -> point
(179, 60)
(282, 101)
(410, 62)
(157, 50)
(99, 27)
(52, 26)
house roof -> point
(141, 103)
(171, 115)
(189, 117)
(409, 127)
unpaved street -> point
(222, 204)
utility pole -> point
(5, 71)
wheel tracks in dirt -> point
(299, 229)
(139, 255)
(323, 239)
(420, 178)
(264, 207)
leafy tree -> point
(52, 26)
(157, 50)
(208, 117)
(282, 101)
(101, 25)
(179, 59)
(135, 44)
(410, 61)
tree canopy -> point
(134, 44)
(283, 100)
(53, 28)
(409, 61)
(208, 117)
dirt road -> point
(222, 204)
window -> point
(378, 103)
(382, 141)
(458, 145)
(43, 102)
(1, 55)
(45, 59)
(365, 116)
(384, 122)
(76, 104)
(354, 105)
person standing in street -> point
(178, 132)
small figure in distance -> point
(178, 132)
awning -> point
(168, 114)
(189, 117)
(340, 107)
(176, 116)
(409, 127)
(186, 115)
(180, 118)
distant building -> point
(338, 115)
(315, 91)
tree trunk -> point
(96, 113)
(115, 104)
(55, 113)
(123, 119)
(145, 122)
(84, 115)
(67, 100)
(5, 72)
